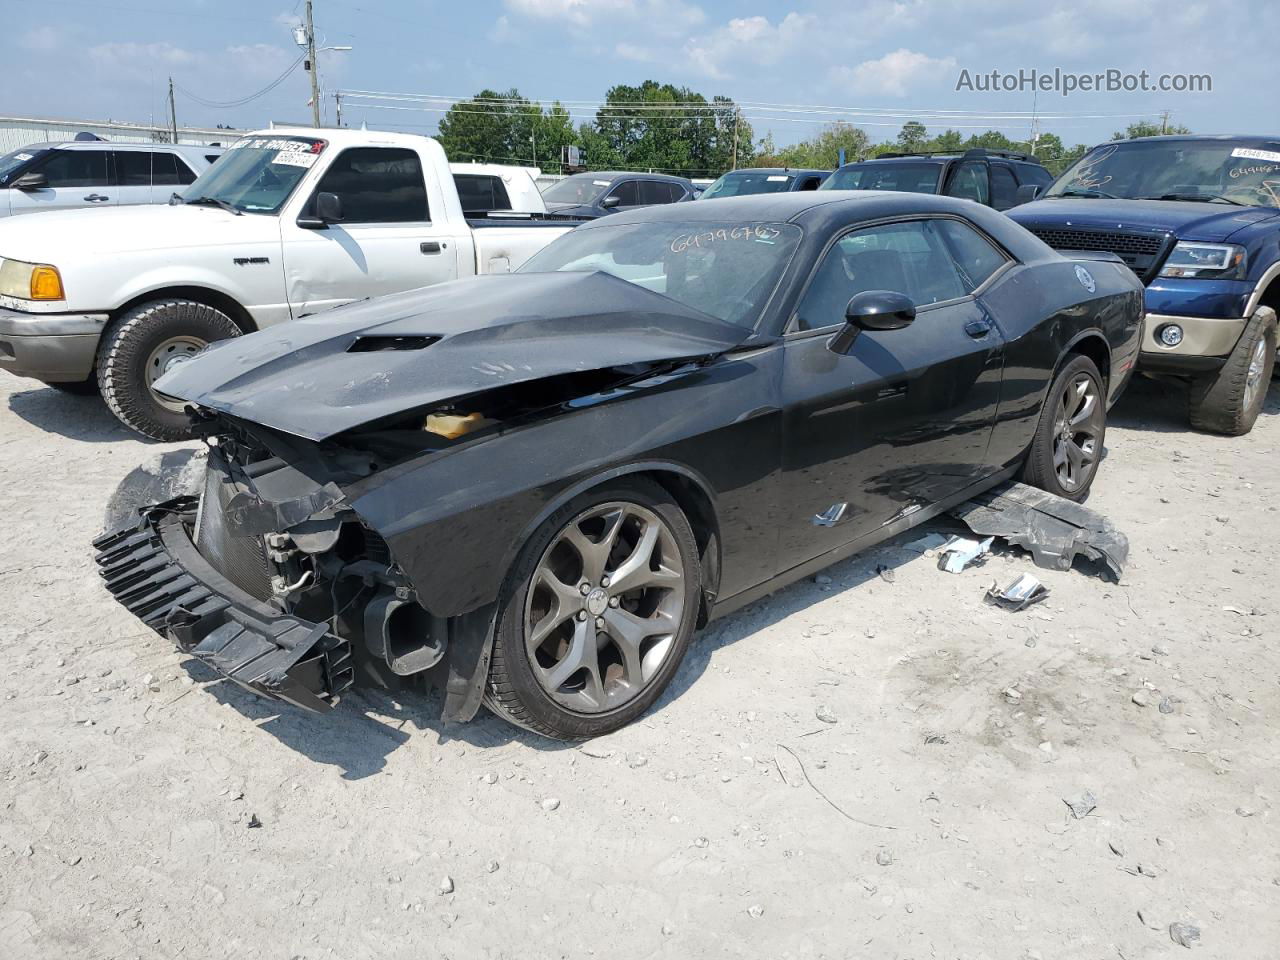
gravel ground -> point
(850, 768)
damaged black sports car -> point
(531, 489)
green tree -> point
(912, 136)
(822, 151)
(666, 128)
(1145, 128)
(486, 127)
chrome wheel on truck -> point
(599, 612)
(141, 346)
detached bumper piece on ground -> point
(155, 571)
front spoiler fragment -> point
(154, 570)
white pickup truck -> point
(288, 222)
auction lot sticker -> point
(1270, 156)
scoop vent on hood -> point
(375, 344)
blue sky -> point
(889, 59)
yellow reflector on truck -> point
(46, 283)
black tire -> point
(1040, 469)
(1224, 402)
(513, 691)
(77, 388)
(126, 351)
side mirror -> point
(1028, 192)
(327, 209)
(872, 310)
(31, 181)
(610, 202)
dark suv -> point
(585, 196)
(989, 177)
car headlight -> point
(30, 281)
(1205, 261)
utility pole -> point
(734, 162)
(312, 69)
(1164, 123)
(337, 104)
(173, 113)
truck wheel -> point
(1067, 446)
(598, 612)
(145, 343)
(1230, 400)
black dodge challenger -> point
(531, 489)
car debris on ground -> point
(1022, 593)
(1054, 530)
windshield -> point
(257, 174)
(1231, 170)
(882, 175)
(580, 188)
(726, 270)
(742, 182)
(16, 160)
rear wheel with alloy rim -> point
(1068, 443)
(599, 612)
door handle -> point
(977, 329)
(96, 198)
(429, 247)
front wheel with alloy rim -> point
(597, 613)
(1067, 446)
(143, 345)
(1230, 400)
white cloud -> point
(661, 17)
(130, 53)
(631, 51)
(895, 74)
(749, 41)
(580, 12)
(41, 39)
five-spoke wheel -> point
(599, 613)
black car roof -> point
(794, 171)
(615, 174)
(1224, 137)
(802, 207)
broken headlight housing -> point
(1205, 261)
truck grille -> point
(242, 560)
(1141, 251)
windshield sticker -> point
(279, 145)
(1270, 156)
(1087, 176)
(22, 157)
(601, 183)
(295, 158)
(778, 179)
(760, 232)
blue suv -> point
(1197, 218)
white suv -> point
(57, 176)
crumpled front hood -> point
(304, 378)
(1211, 222)
(60, 236)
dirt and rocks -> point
(860, 766)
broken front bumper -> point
(157, 573)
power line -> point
(939, 114)
(224, 105)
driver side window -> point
(969, 182)
(909, 258)
(626, 193)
